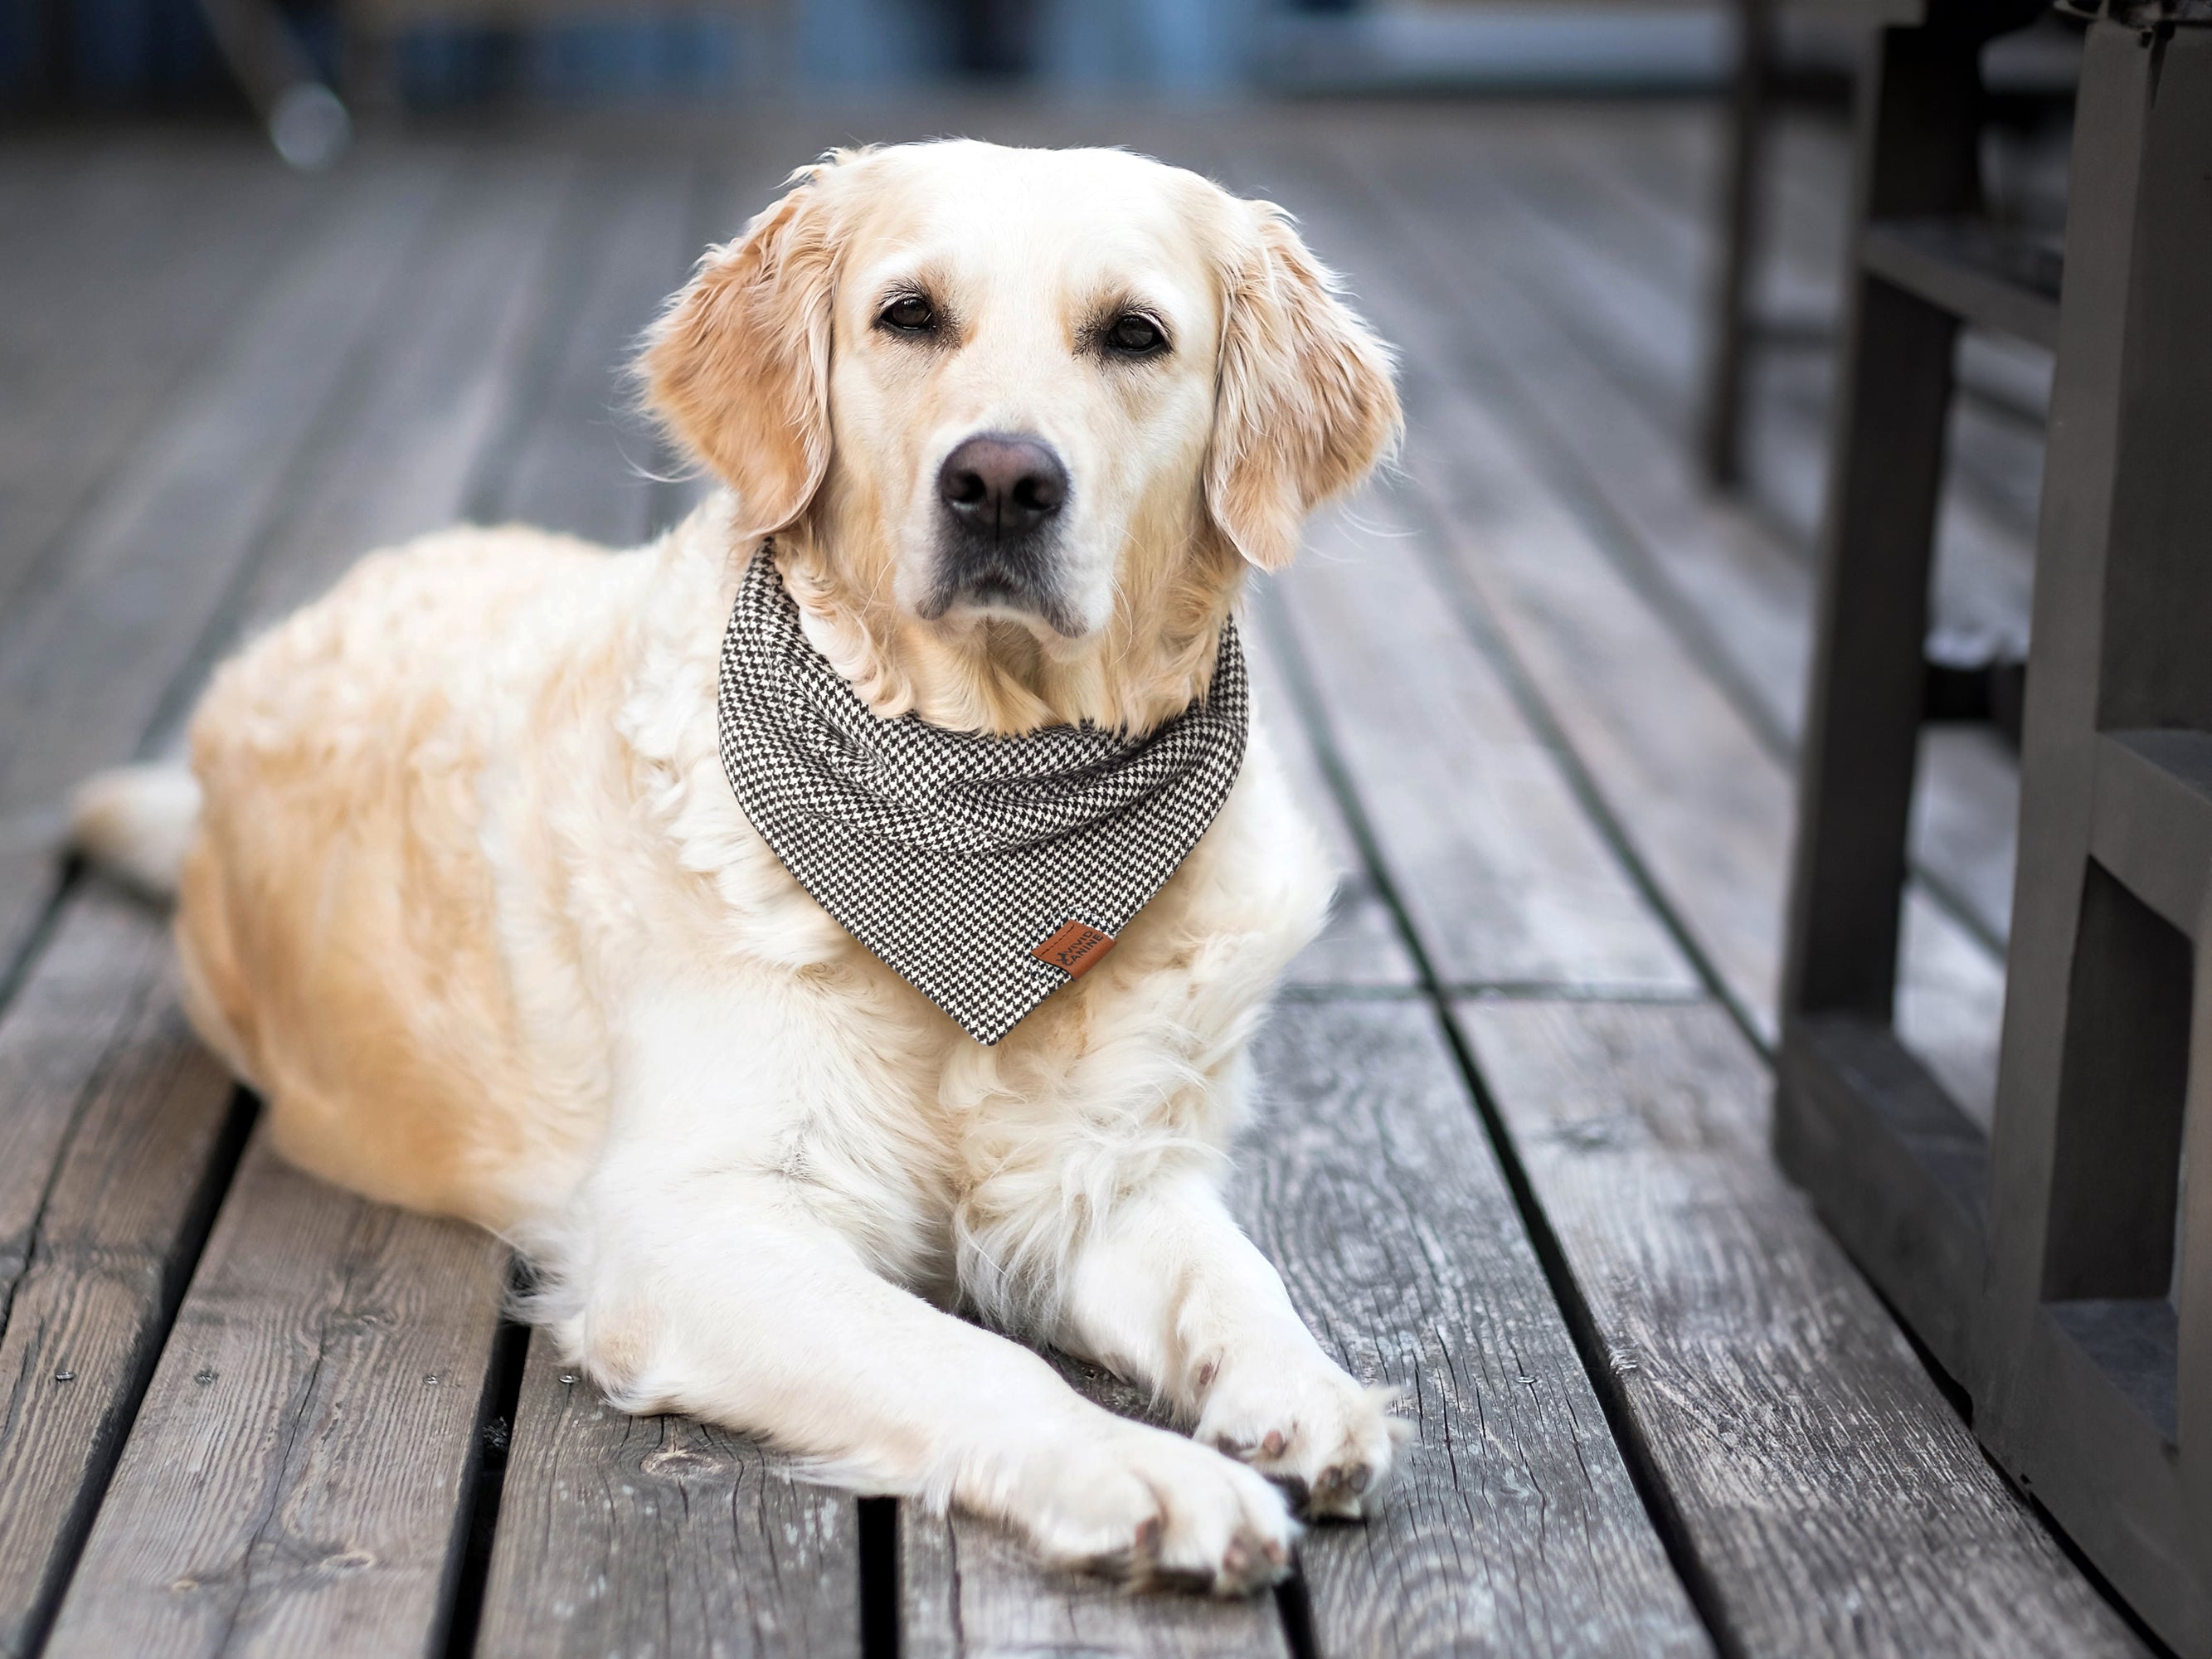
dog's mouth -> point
(994, 585)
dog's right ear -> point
(1304, 401)
(738, 369)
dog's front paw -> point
(1153, 1508)
(1305, 1424)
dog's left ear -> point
(1304, 405)
(738, 369)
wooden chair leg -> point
(1730, 325)
(2098, 1394)
(1897, 1168)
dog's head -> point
(1022, 414)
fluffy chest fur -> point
(509, 851)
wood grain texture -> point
(449, 372)
(110, 1147)
(130, 258)
(1502, 870)
(970, 1589)
(1715, 570)
(86, 662)
(582, 453)
(1360, 946)
(294, 1481)
(1706, 805)
(1834, 1499)
(1514, 1527)
(659, 1535)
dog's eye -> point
(1136, 336)
(909, 314)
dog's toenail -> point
(1273, 1444)
(1148, 1535)
(1361, 1476)
(1275, 1553)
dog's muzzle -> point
(1000, 497)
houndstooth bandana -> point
(987, 871)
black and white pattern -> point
(952, 855)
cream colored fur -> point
(469, 898)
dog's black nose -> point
(1002, 482)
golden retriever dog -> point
(464, 891)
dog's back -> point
(338, 923)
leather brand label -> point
(1073, 947)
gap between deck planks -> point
(1695, 793)
(2031, 1600)
(1748, 613)
(197, 491)
(351, 1544)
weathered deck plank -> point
(1716, 572)
(132, 258)
(114, 1143)
(86, 664)
(1700, 797)
(392, 457)
(1836, 1503)
(659, 1535)
(1707, 807)
(969, 1588)
(448, 374)
(1360, 946)
(294, 1481)
(580, 454)
(1511, 884)
(1514, 1527)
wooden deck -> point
(1542, 689)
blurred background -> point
(422, 54)
(425, 55)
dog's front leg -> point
(698, 1288)
(1169, 1292)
